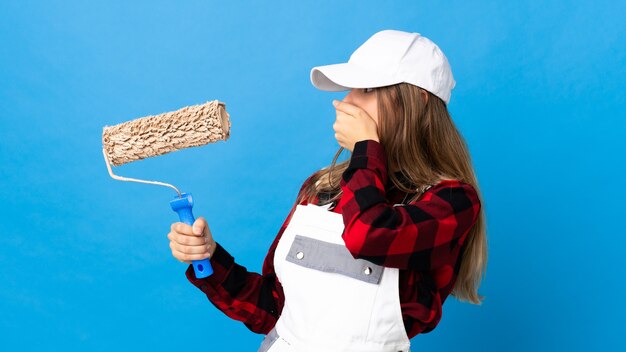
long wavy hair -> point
(423, 143)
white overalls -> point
(333, 302)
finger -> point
(342, 116)
(184, 256)
(190, 249)
(187, 240)
(199, 225)
(340, 122)
(182, 228)
(182, 261)
(348, 108)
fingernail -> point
(335, 102)
(197, 231)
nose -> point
(349, 97)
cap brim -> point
(344, 76)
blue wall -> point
(85, 262)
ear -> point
(425, 94)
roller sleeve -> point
(155, 135)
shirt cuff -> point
(221, 262)
(369, 148)
(368, 154)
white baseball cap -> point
(389, 57)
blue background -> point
(85, 262)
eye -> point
(368, 90)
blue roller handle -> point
(202, 268)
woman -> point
(374, 245)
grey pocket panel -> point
(332, 258)
(268, 341)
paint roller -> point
(155, 135)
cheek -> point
(372, 110)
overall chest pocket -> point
(331, 258)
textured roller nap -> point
(155, 135)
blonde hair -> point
(422, 142)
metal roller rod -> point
(128, 179)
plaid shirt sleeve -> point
(254, 299)
(422, 235)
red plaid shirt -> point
(424, 239)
